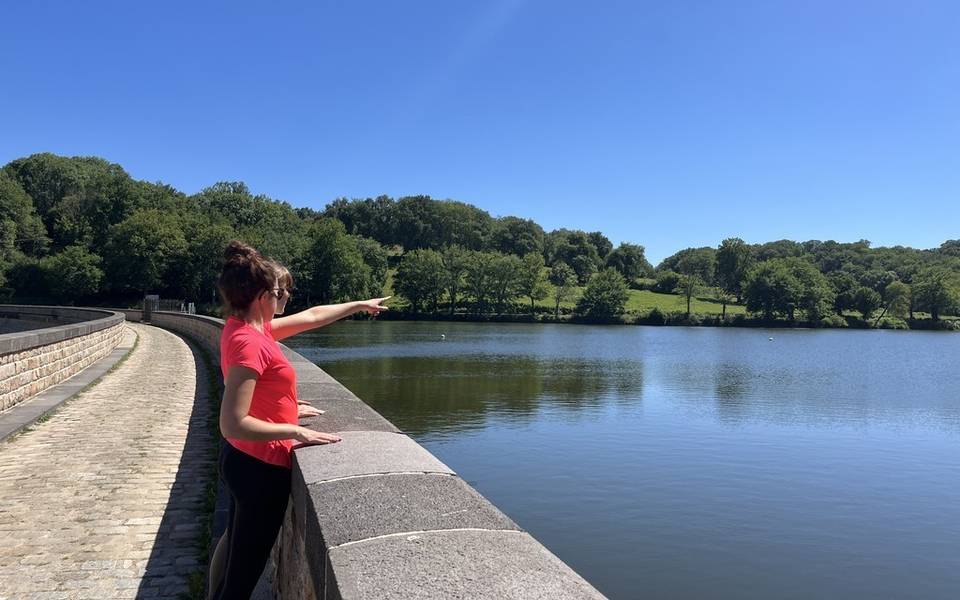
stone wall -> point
(68, 341)
(376, 516)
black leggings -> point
(258, 502)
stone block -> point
(354, 509)
(364, 453)
(344, 413)
(478, 565)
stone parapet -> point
(67, 341)
(376, 516)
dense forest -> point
(80, 230)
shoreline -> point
(681, 320)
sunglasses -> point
(279, 292)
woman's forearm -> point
(257, 430)
(328, 313)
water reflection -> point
(457, 393)
(511, 373)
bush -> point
(605, 296)
(654, 317)
(643, 283)
(892, 323)
(833, 321)
(666, 282)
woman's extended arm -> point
(236, 422)
(318, 316)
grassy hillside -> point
(640, 301)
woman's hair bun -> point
(239, 253)
(245, 275)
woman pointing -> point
(259, 413)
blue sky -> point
(668, 124)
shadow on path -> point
(177, 563)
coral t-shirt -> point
(275, 395)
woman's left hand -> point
(373, 307)
(306, 410)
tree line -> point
(81, 230)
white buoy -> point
(771, 339)
(443, 336)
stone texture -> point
(473, 565)
(344, 411)
(364, 453)
(40, 359)
(349, 510)
(106, 498)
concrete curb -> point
(28, 412)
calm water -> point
(690, 462)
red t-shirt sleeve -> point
(247, 351)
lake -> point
(675, 462)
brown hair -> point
(284, 278)
(245, 275)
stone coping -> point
(73, 322)
(378, 516)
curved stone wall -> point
(376, 516)
(66, 341)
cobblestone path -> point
(105, 499)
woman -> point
(259, 412)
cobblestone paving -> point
(104, 500)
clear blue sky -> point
(668, 124)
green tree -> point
(332, 269)
(461, 224)
(935, 291)
(771, 289)
(896, 298)
(574, 248)
(532, 282)
(22, 227)
(140, 251)
(584, 266)
(374, 256)
(734, 259)
(877, 279)
(816, 295)
(416, 220)
(724, 298)
(700, 263)
(420, 277)
(564, 282)
(73, 274)
(370, 217)
(455, 266)
(866, 301)
(777, 249)
(783, 285)
(108, 196)
(513, 235)
(196, 275)
(47, 179)
(605, 296)
(603, 245)
(845, 287)
(689, 286)
(478, 277)
(629, 261)
(506, 273)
